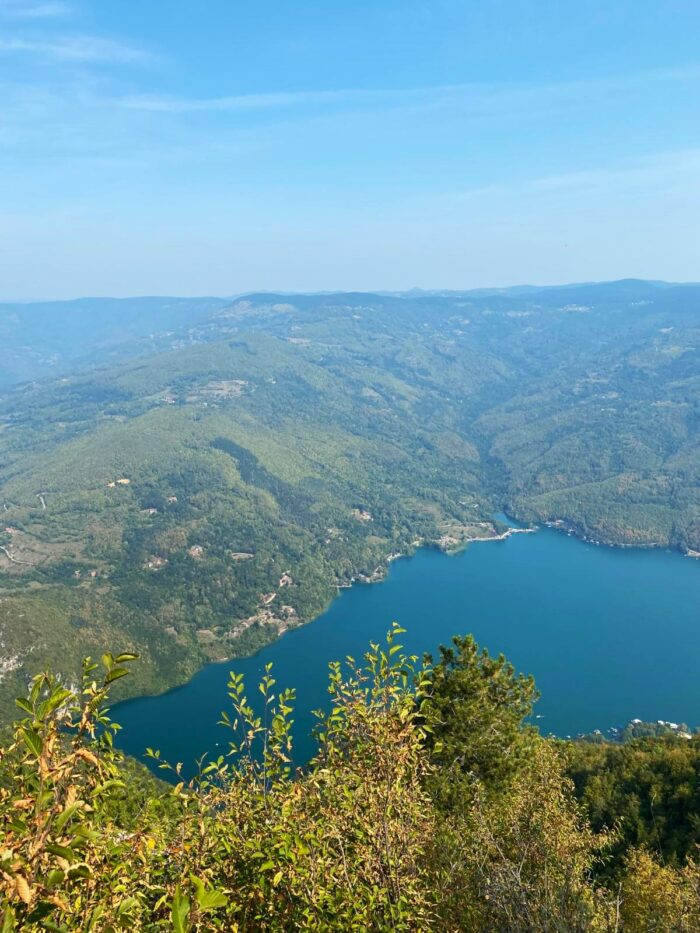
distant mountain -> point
(41, 339)
(519, 291)
(50, 337)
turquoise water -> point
(609, 634)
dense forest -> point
(431, 804)
(201, 475)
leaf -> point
(180, 912)
(54, 878)
(212, 899)
(23, 889)
(61, 851)
(33, 741)
(126, 907)
(24, 704)
(208, 899)
(65, 815)
(126, 656)
(115, 674)
(56, 700)
(86, 755)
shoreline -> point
(571, 530)
(501, 537)
(380, 573)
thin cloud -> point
(74, 49)
(482, 98)
(662, 170)
(20, 9)
(660, 167)
(251, 101)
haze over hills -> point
(204, 473)
(44, 338)
(50, 337)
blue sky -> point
(152, 147)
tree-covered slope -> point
(277, 446)
(258, 481)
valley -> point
(158, 502)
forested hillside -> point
(244, 459)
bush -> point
(366, 837)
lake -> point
(610, 635)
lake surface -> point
(610, 635)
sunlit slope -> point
(611, 442)
(196, 504)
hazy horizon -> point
(151, 149)
(232, 296)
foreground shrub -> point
(247, 845)
(430, 805)
(522, 860)
(654, 897)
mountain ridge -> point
(322, 434)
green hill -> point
(276, 447)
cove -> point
(609, 634)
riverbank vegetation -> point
(431, 804)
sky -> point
(190, 148)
